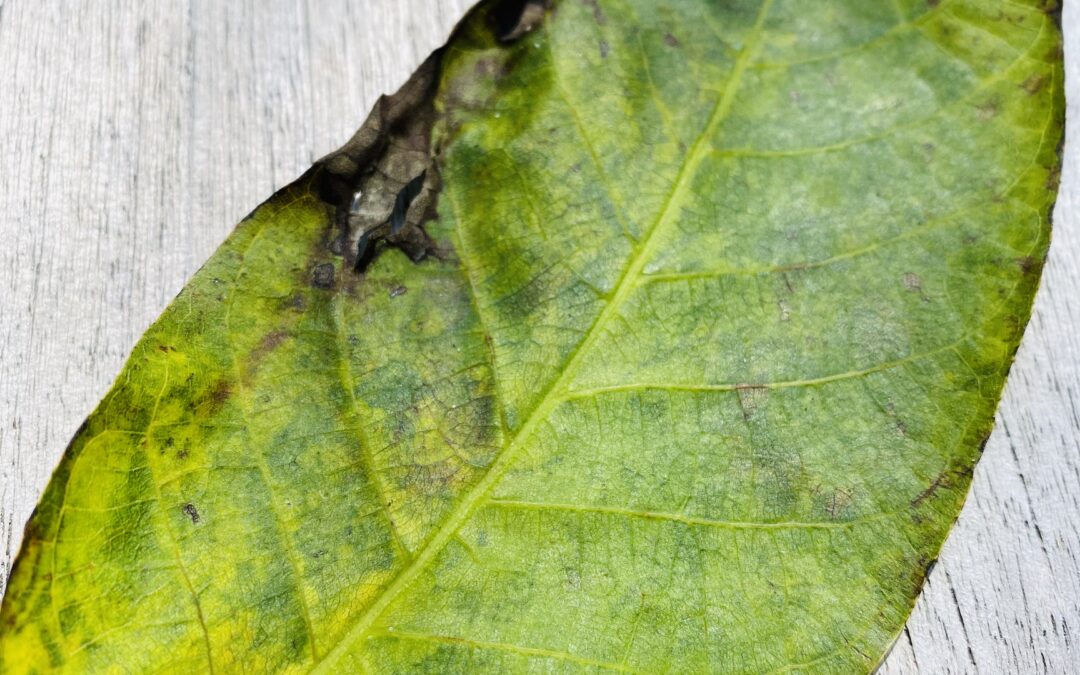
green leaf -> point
(631, 335)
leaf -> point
(705, 312)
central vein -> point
(553, 396)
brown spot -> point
(166, 349)
(1027, 264)
(987, 110)
(932, 3)
(191, 512)
(221, 392)
(912, 282)
(323, 276)
(1033, 84)
(605, 49)
(671, 41)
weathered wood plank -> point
(134, 135)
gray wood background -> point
(134, 134)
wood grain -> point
(134, 135)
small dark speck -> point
(605, 48)
(398, 290)
(670, 40)
(191, 512)
(323, 276)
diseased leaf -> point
(702, 317)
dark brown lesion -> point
(192, 512)
(385, 182)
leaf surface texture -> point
(719, 302)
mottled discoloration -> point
(548, 430)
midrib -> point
(554, 394)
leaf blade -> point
(604, 431)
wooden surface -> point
(133, 135)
